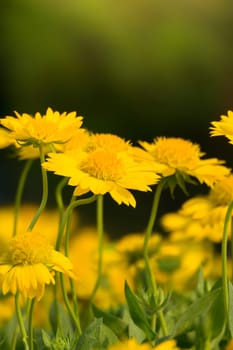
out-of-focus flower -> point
(202, 217)
(132, 344)
(5, 138)
(29, 264)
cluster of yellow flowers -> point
(36, 243)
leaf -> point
(60, 319)
(198, 308)
(96, 336)
(46, 339)
(137, 313)
(118, 326)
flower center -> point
(29, 249)
(222, 192)
(103, 165)
(108, 142)
(176, 152)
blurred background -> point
(136, 68)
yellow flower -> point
(29, 265)
(229, 345)
(104, 170)
(52, 127)
(177, 155)
(202, 217)
(132, 344)
(5, 139)
(224, 127)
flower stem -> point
(100, 229)
(20, 322)
(30, 326)
(44, 192)
(66, 215)
(58, 195)
(149, 273)
(68, 306)
(224, 259)
(19, 192)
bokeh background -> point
(136, 68)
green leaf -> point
(216, 317)
(60, 319)
(137, 313)
(116, 324)
(198, 308)
(96, 336)
(46, 339)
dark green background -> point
(136, 68)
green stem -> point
(30, 325)
(66, 250)
(68, 306)
(19, 192)
(20, 322)
(58, 195)
(231, 250)
(224, 259)
(100, 229)
(44, 192)
(66, 214)
(149, 273)
(14, 338)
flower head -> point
(29, 265)
(202, 217)
(177, 155)
(224, 127)
(5, 139)
(131, 344)
(103, 169)
(52, 127)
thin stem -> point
(20, 322)
(68, 306)
(224, 260)
(30, 325)
(44, 192)
(231, 251)
(14, 338)
(148, 231)
(19, 192)
(66, 214)
(100, 229)
(149, 273)
(58, 194)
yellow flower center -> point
(222, 192)
(103, 165)
(176, 152)
(29, 249)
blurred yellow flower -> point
(50, 128)
(132, 344)
(183, 156)
(104, 170)
(5, 138)
(202, 217)
(29, 264)
(48, 223)
(224, 127)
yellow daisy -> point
(5, 139)
(29, 265)
(104, 170)
(52, 127)
(132, 344)
(177, 155)
(202, 217)
(224, 127)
